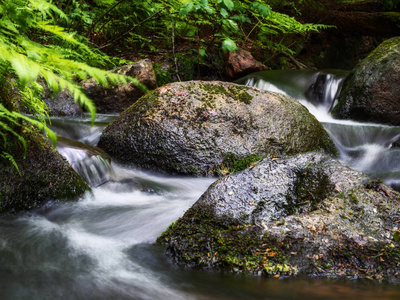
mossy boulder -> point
(208, 128)
(44, 176)
(371, 93)
(306, 214)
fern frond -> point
(11, 159)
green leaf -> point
(228, 45)
(231, 24)
(229, 4)
(224, 13)
(263, 9)
(202, 52)
(186, 9)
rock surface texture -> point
(306, 214)
(208, 128)
(44, 176)
(371, 93)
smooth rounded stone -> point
(371, 93)
(62, 104)
(208, 128)
(240, 63)
(306, 214)
(43, 175)
(276, 188)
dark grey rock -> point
(276, 188)
(306, 214)
(43, 176)
(371, 93)
(196, 127)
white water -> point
(365, 147)
(102, 247)
(81, 250)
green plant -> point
(33, 47)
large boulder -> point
(42, 175)
(371, 93)
(208, 128)
(306, 214)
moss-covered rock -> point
(208, 128)
(43, 175)
(372, 91)
(306, 214)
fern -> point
(32, 46)
(11, 159)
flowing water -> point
(371, 148)
(102, 246)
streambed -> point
(102, 246)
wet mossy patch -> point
(42, 175)
(233, 163)
(201, 243)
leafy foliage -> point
(154, 25)
(33, 47)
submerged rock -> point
(306, 214)
(44, 176)
(207, 128)
(371, 93)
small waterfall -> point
(92, 163)
(319, 88)
(371, 148)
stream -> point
(102, 246)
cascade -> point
(371, 148)
(92, 163)
(102, 246)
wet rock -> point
(208, 128)
(44, 176)
(241, 63)
(62, 104)
(372, 92)
(117, 98)
(305, 214)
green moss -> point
(232, 163)
(44, 175)
(238, 93)
(197, 241)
